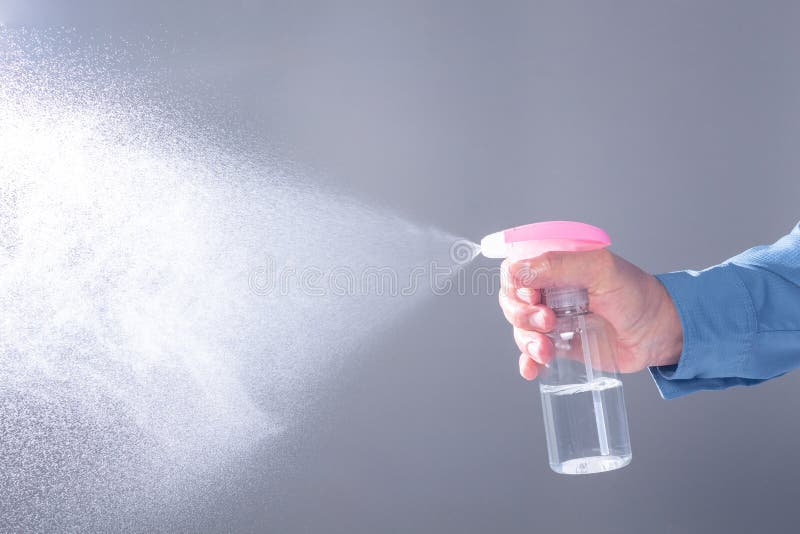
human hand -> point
(648, 330)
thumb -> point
(562, 269)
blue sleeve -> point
(740, 320)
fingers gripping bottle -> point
(584, 409)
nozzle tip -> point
(493, 246)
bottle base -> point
(591, 464)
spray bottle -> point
(584, 409)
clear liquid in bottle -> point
(582, 399)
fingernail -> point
(536, 318)
(525, 294)
(532, 348)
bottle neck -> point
(569, 311)
(566, 301)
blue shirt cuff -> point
(719, 324)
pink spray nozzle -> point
(534, 239)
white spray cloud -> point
(137, 359)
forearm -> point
(740, 320)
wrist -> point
(669, 336)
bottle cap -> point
(565, 297)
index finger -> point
(513, 290)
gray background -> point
(673, 125)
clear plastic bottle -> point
(584, 409)
(582, 400)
